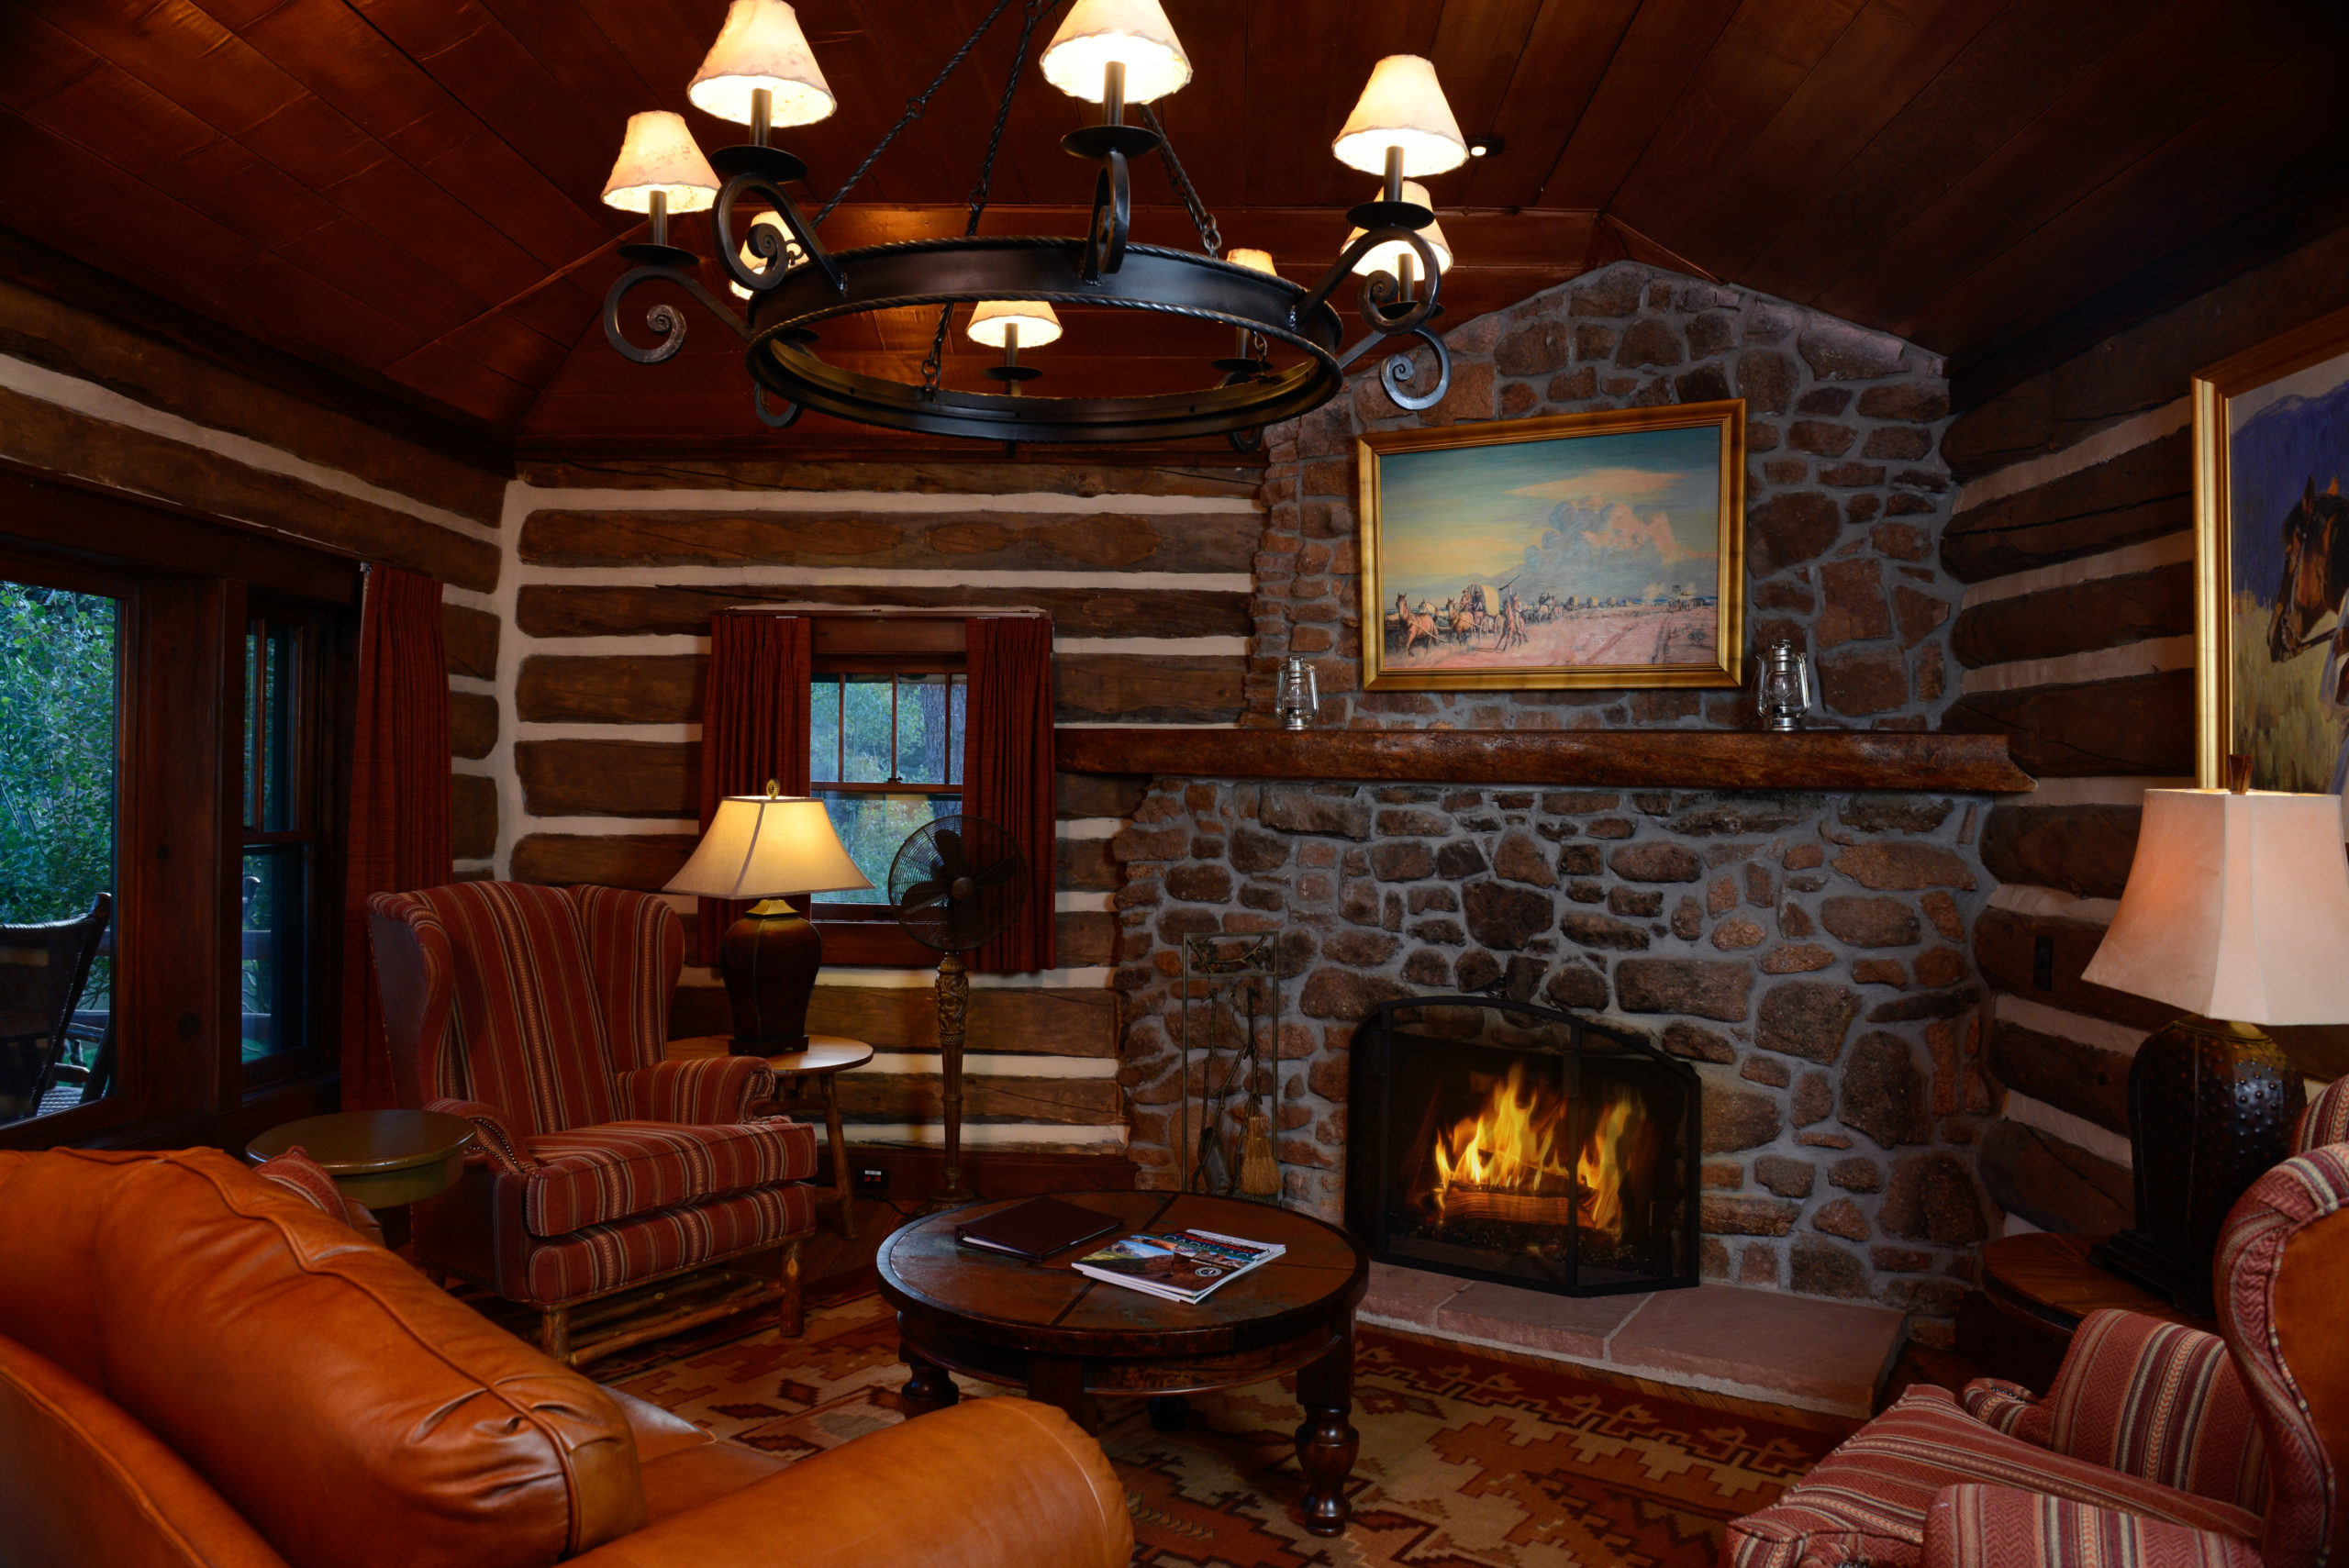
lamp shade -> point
(2236, 909)
(1389, 256)
(990, 318)
(761, 46)
(1099, 31)
(660, 154)
(1254, 261)
(792, 254)
(765, 846)
(1402, 106)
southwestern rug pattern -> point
(1468, 1460)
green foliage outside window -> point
(57, 760)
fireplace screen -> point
(1505, 1141)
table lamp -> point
(768, 847)
(2237, 911)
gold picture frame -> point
(1595, 534)
(2271, 448)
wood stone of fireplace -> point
(1806, 950)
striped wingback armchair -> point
(2158, 1447)
(540, 1015)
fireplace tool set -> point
(1231, 989)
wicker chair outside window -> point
(43, 970)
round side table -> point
(385, 1160)
(804, 1086)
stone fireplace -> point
(1503, 1142)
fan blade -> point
(1003, 871)
(921, 894)
(953, 861)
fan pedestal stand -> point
(953, 1008)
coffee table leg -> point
(1325, 1441)
(1060, 1380)
(928, 1387)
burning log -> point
(1469, 1206)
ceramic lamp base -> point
(768, 960)
(2212, 1108)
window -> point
(172, 693)
(282, 837)
(884, 755)
(60, 686)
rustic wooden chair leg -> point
(554, 1332)
(793, 1318)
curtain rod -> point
(985, 612)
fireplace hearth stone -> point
(1775, 1347)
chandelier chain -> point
(935, 362)
(915, 107)
(1210, 236)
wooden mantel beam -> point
(1625, 759)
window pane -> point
(274, 899)
(824, 729)
(923, 728)
(961, 690)
(871, 825)
(270, 649)
(865, 717)
(57, 697)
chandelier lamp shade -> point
(1290, 353)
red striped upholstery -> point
(605, 1257)
(2008, 1408)
(636, 948)
(1999, 1527)
(497, 1143)
(2160, 1401)
(2326, 1121)
(2308, 1514)
(594, 1175)
(1866, 1502)
(707, 1088)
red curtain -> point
(753, 725)
(399, 800)
(1007, 775)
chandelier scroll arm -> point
(663, 317)
(1399, 369)
(1374, 310)
(803, 234)
(1113, 212)
(772, 421)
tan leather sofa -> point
(197, 1367)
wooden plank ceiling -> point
(405, 191)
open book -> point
(1181, 1266)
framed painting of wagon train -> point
(2271, 452)
(1583, 550)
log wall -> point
(84, 398)
(2073, 533)
(616, 570)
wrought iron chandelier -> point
(1117, 53)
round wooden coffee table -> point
(1068, 1340)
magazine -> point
(1181, 1266)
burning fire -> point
(1511, 1162)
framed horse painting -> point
(2271, 451)
(1580, 550)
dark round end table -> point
(1068, 1339)
(385, 1160)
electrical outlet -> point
(2042, 962)
(872, 1179)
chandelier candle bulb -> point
(1402, 107)
(761, 49)
(1132, 34)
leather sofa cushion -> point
(353, 1412)
(594, 1175)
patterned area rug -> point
(1469, 1460)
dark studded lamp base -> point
(2212, 1108)
(768, 960)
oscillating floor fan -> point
(954, 885)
